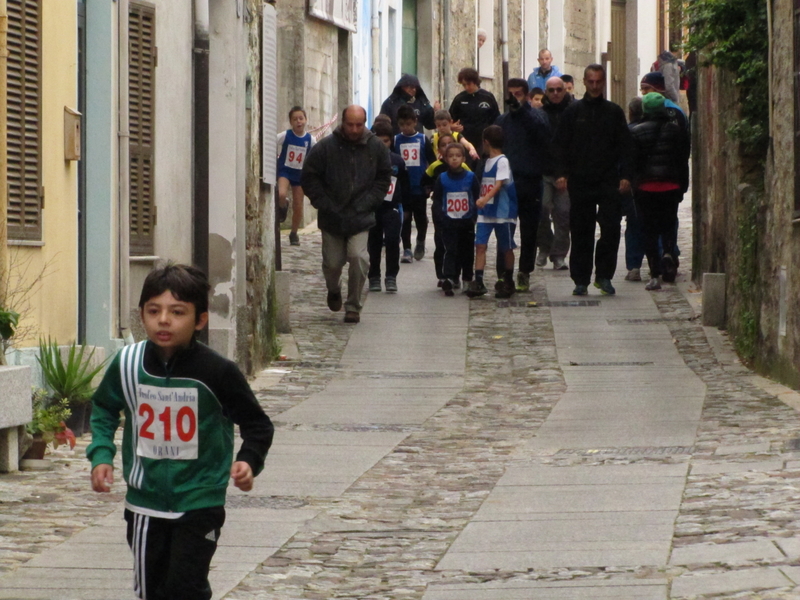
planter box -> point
(15, 410)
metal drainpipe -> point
(124, 149)
(376, 55)
(446, 67)
(769, 68)
(504, 41)
(201, 136)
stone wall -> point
(580, 43)
(743, 221)
(779, 355)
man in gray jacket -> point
(346, 176)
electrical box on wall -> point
(72, 134)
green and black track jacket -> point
(177, 445)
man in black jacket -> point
(474, 108)
(553, 243)
(593, 160)
(346, 176)
(526, 136)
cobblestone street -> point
(541, 447)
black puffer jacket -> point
(662, 152)
(347, 181)
(420, 104)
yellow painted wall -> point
(53, 309)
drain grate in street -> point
(640, 321)
(642, 363)
(306, 364)
(274, 502)
(402, 375)
(535, 303)
(630, 451)
(348, 427)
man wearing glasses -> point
(553, 242)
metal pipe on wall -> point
(3, 150)
(376, 57)
(124, 150)
(504, 41)
(200, 126)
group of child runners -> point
(467, 206)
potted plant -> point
(70, 379)
(48, 425)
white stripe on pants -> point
(338, 250)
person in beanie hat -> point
(654, 82)
(661, 177)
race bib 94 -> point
(295, 156)
(166, 420)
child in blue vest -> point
(293, 146)
(453, 209)
(497, 211)
(388, 219)
(415, 151)
(432, 173)
(180, 400)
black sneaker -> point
(605, 287)
(283, 212)
(374, 284)
(476, 288)
(669, 268)
(580, 290)
(407, 257)
(294, 239)
(391, 284)
(447, 287)
(419, 251)
(507, 290)
(335, 301)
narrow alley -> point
(543, 447)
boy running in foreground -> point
(180, 400)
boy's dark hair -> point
(493, 135)
(406, 113)
(295, 109)
(517, 82)
(442, 115)
(537, 91)
(469, 75)
(455, 146)
(382, 118)
(382, 129)
(187, 284)
(567, 79)
(443, 137)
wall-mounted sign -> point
(339, 12)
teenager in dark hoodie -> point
(409, 91)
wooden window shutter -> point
(24, 118)
(141, 98)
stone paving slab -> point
(551, 556)
(567, 590)
(726, 553)
(731, 581)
